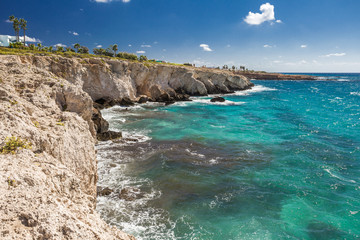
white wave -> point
(343, 80)
(354, 212)
(255, 89)
(138, 136)
(355, 93)
(195, 153)
(338, 177)
(213, 161)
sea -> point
(278, 161)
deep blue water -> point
(279, 161)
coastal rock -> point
(119, 80)
(48, 191)
(100, 124)
(104, 191)
(142, 99)
(130, 194)
(217, 99)
(109, 135)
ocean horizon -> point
(278, 161)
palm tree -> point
(39, 46)
(23, 24)
(16, 26)
(50, 48)
(114, 48)
(77, 46)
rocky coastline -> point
(277, 76)
(50, 119)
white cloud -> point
(206, 47)
(303, 46)
(140, 52)
(146, 46)
(60, 45)
(99, 46)
(267, 14)
(30, 39)
(7, 21)
(130, 45)
(278, 21)
(334, 55)
(269, 46)
(74, 33)
(228, 45)
(155, 42)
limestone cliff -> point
(49, 191)
(117, 79)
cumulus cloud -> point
(146, 46)
(206, 47)
(74, 33)
(60, 45)
(267, 14)
(303, 46)
(140, 52)
(99, 46)
(30, 39)
(335, 55)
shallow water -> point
(279, 161)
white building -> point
(5, 40)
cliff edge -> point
(48, 168)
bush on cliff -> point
(12, 144)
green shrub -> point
(125, 55)
(143, 58)
(12, 144)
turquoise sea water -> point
(279, 161)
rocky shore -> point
(50, 120)
(276, 76)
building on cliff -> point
(5, 40)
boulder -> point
(109, 135)
(217, 99)
(130, 194)
(143, 99)
(100, 191)
(100, 124)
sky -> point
(273, 35)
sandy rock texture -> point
(48, 191)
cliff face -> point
(49, 191)
(118, 79)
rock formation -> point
(49, 191)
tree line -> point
(17, 25)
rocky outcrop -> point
(48, 191)
(217, 99)
(118, 80)
(275, 76)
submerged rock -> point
(103, 191)
(109, 135)
(130, 194)
(217, 99)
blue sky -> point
(284, 36)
